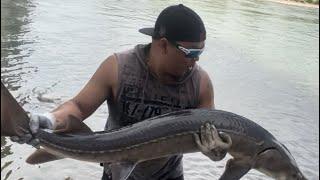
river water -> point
(263, 58)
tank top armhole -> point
(119, 77)
(196, 82)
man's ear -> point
(163, 44)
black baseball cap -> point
(177, 23)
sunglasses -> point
(189, 53)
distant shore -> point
(296, 3)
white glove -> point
(37, 121)
(43, 121)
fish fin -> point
(14, 120)
(122, 170)
(73, 125)
(41, 156)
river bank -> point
(262, 56)
(297, 3)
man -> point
(146, 81)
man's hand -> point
(211, 143)
(37, 121)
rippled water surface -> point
(263, 58)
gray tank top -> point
(141, 96)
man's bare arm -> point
(209, 140)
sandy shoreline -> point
(288, 2)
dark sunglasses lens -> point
(193, 54)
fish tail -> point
(14, 120)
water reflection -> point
(14, 43)
(15, 47)
(5, 151)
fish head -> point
(279, 163)
(291, 176)
(283, 171)
(287, 168)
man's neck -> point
(160, 75)
(157, 68)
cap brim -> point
(147, 31)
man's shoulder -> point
(134, 58)
(200, 68)
(138, 48)
(202, 72)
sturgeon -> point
(252, 147)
